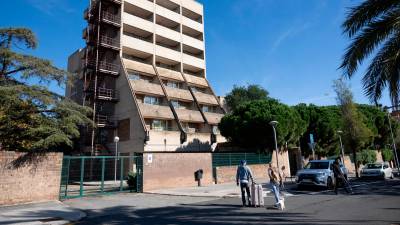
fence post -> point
(66, 183)
(121, 174)
(82, 175)
(102, 173)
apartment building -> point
(143, 71)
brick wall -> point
(32, 182)
(170, 170)
(226, 174)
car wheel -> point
(329, 183)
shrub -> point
(366, 156)
(131, 180)
(387, 154)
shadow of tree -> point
(195, 146)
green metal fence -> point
(233, 159)
(94, 175)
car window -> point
(317, 165)
(373, 166)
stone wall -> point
(32, 182)
(171, 170)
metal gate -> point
(97, 175)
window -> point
(172, 84)
(205, 108)
(175, 104)
(159, 125)
(151, 100)
(133, 76)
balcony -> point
(192, 24)
(187, 115)
(200, 81)
(133, 21)
(192, 42)
(168, 73)
(104, 67)
(144, 87)
(213, 118)
(138, 66)
(110, 42)
(105, 121)
(144, 4)
(168, 33)
(111, 18)
(134, 43)
(177, 93)
(205, 98)
(107, 94)
(156, 111)
(193, 61)
(168, 53)
(167, 13)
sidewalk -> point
(39, 213)
(228, 190)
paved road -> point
(373, 203)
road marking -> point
(325, 191)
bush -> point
(366, 156)
(387, 154)
(131, 180)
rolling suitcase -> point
(257, 198)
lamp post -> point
(116, 140)
(341, 144)
(274, 124)
(394, 143)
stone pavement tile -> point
(39, 213)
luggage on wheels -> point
(257, 198)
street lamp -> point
(341, 144)
(274, 124)
(116, 140)
(394, 143)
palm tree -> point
(374, 28)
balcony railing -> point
(107, 16)
(200, 56)
(103, 65)
(113, 42)
(105, 121)
(107, 94)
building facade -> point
(143, 72)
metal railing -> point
(109, 41)
(108, 16)
(105, 121)
(107, 93)
(103, 65)
(98, 175)
(233, 159)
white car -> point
(377, 170)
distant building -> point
(143, 72)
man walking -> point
(243, 176)
(338, 174)
(273, 180)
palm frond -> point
(384, 70)
(368, 40)
(363, 14)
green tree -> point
(248, 125)
(387, 154)
(32, 118)
(356, 133)
(242, 94)
(322, 122)
(373, 27)
(367, 156)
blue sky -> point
(292, 48)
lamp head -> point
(116, 139)
(273, 123)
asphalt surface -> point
(373, 202)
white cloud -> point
(289, 33)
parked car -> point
(377, 170)
(318, 173)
